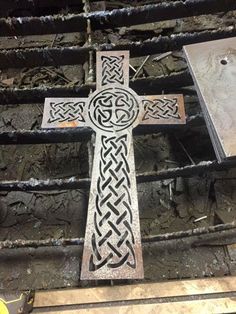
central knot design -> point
(113, 109)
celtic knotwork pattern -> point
(113, 109)
(112, 239)
(66, 111)
(161, 108)
(112, 70)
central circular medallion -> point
(113, 109)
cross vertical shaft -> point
(112, 249)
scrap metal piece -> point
(213, 67)
(112, 247)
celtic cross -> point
(112, 247)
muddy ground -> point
(165, 206)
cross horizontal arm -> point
(64, 113)
(162, 109)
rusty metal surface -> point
(19, 58)
(110, 19)
(14, 7)
(62, 135)
(74, 183)
(222, 233)
(213, 67)
(143, 85)
(165, 10)
(112, 248)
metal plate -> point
(213, 67)
(112, 247)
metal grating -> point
(70, 55)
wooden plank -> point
(135, 292)
(220, 305)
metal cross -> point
(112, 247)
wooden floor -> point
(214, 295)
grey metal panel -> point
(213, 67)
